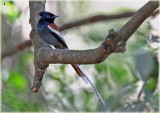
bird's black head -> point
(47, 16)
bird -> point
(50, 33)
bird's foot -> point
(46, 45)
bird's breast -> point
(41, 27)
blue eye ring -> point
(48, 16)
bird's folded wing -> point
(58, 36)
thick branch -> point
(85, 21)
(131, 26)
(35, 8)
(73, 56)
(89, 20)
(114, 42)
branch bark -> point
(17, 48)
(35, 8)
(97, 18)
(114, 42)
(138, 19)
(93, 19)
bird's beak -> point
(55, 16)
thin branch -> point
(97, 18)
(17, 48)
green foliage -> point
(15, 100)
(16, 88)
(14, 96)
(11, 11)
(15, 81)
(116, 78)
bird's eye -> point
(48, 16)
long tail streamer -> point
(103, 105)
(86, 80)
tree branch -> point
(114, 42)
(21, 46)
(35, 8)
(138, 19)
(96, 18)
(93, 19)
(17, 48)
(48, 55)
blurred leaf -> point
(14, 101)
(11, 11)
(115, 78)
(101, 67)
(16, 81)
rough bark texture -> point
(114, 42)
(93, 19)
(35, 8)
(131, 26)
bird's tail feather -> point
(80, 72)
(86, 80)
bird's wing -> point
(57, 35)
(54, 26)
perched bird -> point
(50, 33)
